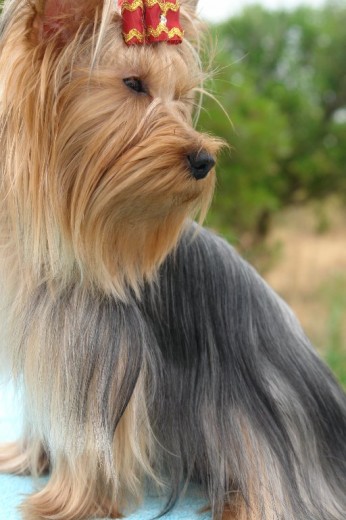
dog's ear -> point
(194, 27)
(61, 19)
(192, 4)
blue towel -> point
(13, 489)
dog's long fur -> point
(147, 349)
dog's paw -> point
(17, 459)
(229, 513)
(13, 459)
(63, 504)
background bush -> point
(282, 78)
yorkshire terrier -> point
(146, 349)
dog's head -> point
(103, 165)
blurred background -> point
(279, 72)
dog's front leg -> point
(85, 401)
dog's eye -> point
(135, 84)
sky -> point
(217, 10)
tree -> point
(282, 78)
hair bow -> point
(150, 21)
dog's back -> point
(244, 404)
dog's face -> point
(114, 166)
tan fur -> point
(94, 194)
(69, 185)
(19, 459)
(70, 495)
(241, 511)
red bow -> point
(150, 21)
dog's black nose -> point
(200, 164)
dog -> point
(147, 352)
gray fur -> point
(243, 392)
(237, 398)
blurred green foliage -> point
(333, 293)
(281, 76)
